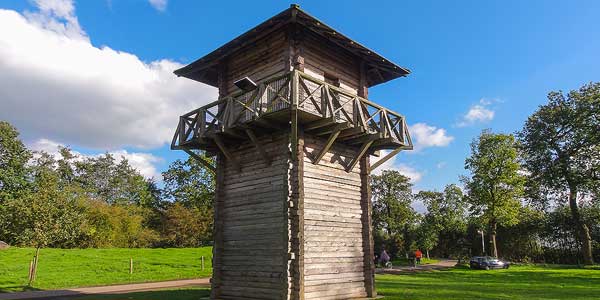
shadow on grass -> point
(177, 294)
(18, 288)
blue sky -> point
(475, 65)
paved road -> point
(443, 264)
(110, 289)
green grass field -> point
(62, 268)
(518, 282)
(90, 267)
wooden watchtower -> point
(292, 132)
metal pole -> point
(482, 242)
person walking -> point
(418, 256)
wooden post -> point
(367, 228)
(131, 266)
(30, 271)
(202, 262)
(34, 266)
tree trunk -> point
(493, 247)
(583, 232)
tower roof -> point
(379, 69)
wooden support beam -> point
(265, 123)
(234, 133)
(261, 151)
(331, 129)
(201, 160)
(386, 158)
(225, 152)
(361, 153)
(319, 124)
(352, 132)
(294, 113)
(363, 139)
(327, 146)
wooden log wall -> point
(258, 61)
(334, 251)
(252, 217)
(322, 56)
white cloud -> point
(441, 165)
(143, 162)
(55, 84)
(428, 136)
(408, 171)
(478, 113)
(160, 5)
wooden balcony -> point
(277, 103)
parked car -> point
(488, 262)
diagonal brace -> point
(228, 155)
(361, 153)
(201, 160)
(332, 137)
(258, 146)
(387, 157)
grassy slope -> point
(527, 282)
(61, 268)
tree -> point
(444, 223)
(495, 186)
(561, 146)
(190, 183)
(113, 182)
(392, 210)
(13, 163)
(187, 227)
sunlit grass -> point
(63, 268)
(518, 282)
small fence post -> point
(202, 262)
(30, 270)
(131, 266)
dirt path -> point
(109, 289)
(443, 264)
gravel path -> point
(443, 264)
(109, 289)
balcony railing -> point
(356, 119)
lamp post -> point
(482, 241)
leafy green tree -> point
(495, 186)
(187, 227)
(444, 224)
(392, 198)
(113, 182)
(428, 235)
(561, 145)
(393, 216)
(13, 164)
(189, 183)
